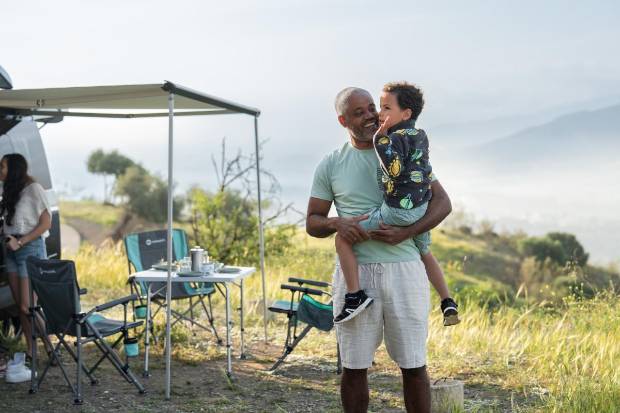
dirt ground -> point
(306, 382)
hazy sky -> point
(474, 60)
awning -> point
(133, 101)
(122, 101)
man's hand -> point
(390, 234)
(350, 229)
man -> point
(389, 265)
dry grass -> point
(560, 358)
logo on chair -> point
(48, 272)
(149, 241)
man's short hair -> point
(342, 98)
(409, 96)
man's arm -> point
(320, 226)
(439, 207)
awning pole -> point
(169, 241)
(261, 239)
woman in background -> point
(27, 220)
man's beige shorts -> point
(399, 314)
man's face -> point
(360, 117)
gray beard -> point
(363, 136)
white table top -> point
(154, 275)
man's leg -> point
(354, 390)
(406, 328)
(417, 390)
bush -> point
(226, 224)
(543, 248)
(572, 248)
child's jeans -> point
(402, 218)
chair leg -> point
(103, 357)
(191, 316)
(210, 318)
(78, 393)
(93, 379)
(288, 349)
(116, 361)
(122, 368)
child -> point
(407, 173)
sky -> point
(475, 60)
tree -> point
(560, 247)
(572, 248)
(146, 195)
(225, 222)
(106, 164)
(543, 248)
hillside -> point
(581, 140)
(485, 266)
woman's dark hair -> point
(17, 179)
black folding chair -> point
(303, 307)
(55, 284)
(147, 248)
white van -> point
(22, 136)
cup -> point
(139, 311)
(131, 346)
(207, 267)
(185, 265)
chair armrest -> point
(309, 282)
(116, 302)
(304, 290)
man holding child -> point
(390, 269)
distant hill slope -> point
(580, 140)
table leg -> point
(228, 327)
(145, 373)
(242, 356)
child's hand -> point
(383, 127)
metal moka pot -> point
(196, 255)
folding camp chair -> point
(303, 307)
(147, 248)
(55, 283)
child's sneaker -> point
(354, 303)
(450, 312)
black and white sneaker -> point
(450, 312)
(354, 303)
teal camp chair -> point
(147, 248)
(302, 306)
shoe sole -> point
(359, 309)
(451, 320)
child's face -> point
(391, 111)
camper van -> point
(23, 137)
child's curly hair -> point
(409, 96)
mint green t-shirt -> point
(351, 178)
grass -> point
(541, 357)
(92, 211)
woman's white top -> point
(32, 202)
